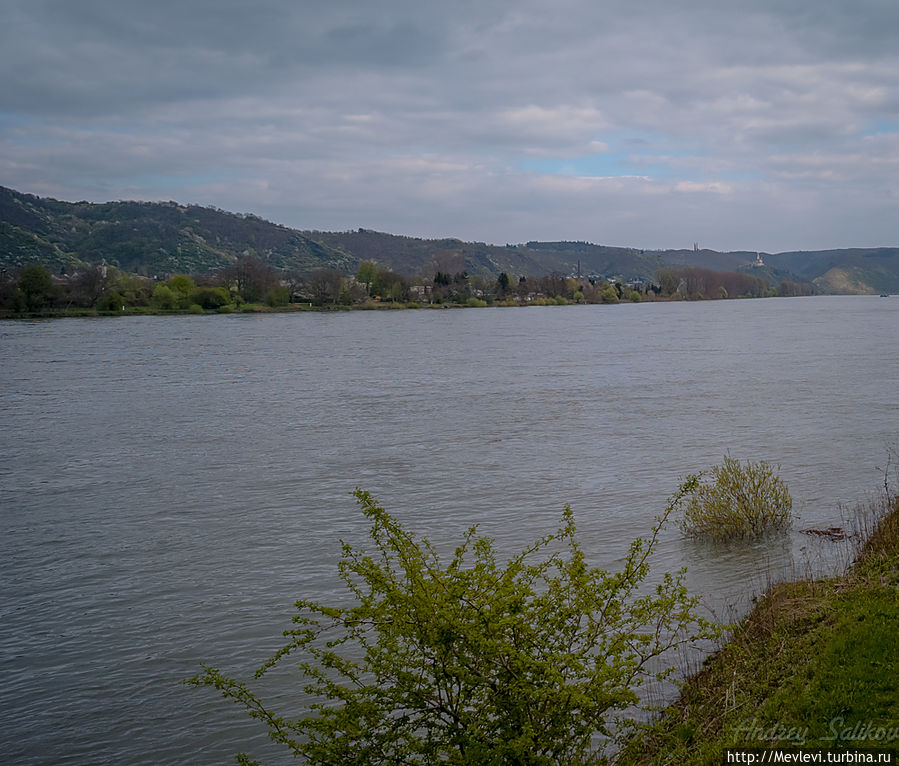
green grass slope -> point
(815, 664)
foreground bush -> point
(473, 661)
(739, 501)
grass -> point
(815, 664)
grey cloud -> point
(416, 117)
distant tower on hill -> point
(695, 247)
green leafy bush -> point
(474, 661)
(739, 500)
(277, 296)
(211, 297)
(164, 297)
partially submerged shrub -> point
(474, 660)
(740, 500)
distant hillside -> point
(872, 270)
(148, 238)
(410, 255)
(856, 270)
(157, 238)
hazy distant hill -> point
(156, 238)
(852, 270)
(410, 255)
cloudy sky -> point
(759, 124)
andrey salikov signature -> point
(838, 731)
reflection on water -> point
(170, 485)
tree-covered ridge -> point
(148, 238)
(157, 239)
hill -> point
(148, 238)
(158, 238)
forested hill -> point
(158, 238)
(149, 238)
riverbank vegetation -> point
(252, 286)
(538, 661)
(813, 665)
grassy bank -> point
(815, 664)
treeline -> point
(461, 288)
(692, 283)
(34, 290)
(250, 284)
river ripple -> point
(170, 485)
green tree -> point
(36, 285)
(277, 296)
(366, 274)
(473, 661)
(182, 285)
(211, 297)
(163, 297)
(608, 294)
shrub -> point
(163, 297)
(476, 303)
(739, 501)
(473, 661)
(211, 297)
(195, 308)
(277, 296)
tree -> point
(366, 274)
(36, 285)
(252, 278)
(182, 285)
(89, 285)
(212, 297)
(163, 297)
(473, 661)
(608, 293)
(669, 280)
(277, 296)
(324, 286)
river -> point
(170, 485)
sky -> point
(764, 125)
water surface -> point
(170, 485)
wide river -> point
(170, 485)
